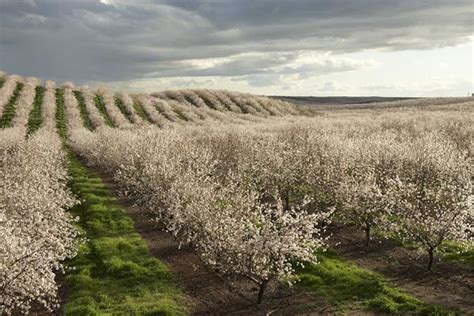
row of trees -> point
(254, 198)
(9, 86)
(36, 232)
(198, 107)
(205, 202)
(229, 101)
(165, 109)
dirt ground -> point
(450, 284)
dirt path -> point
(206, 293)
(451, 284)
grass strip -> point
(349, 288)
(36, 119)
(86, 121)
(119, 103)
(99, 103)
(454, 252)
(141, 112)
(114, 272)
(10, 109)
(448, 251)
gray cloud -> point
(85, 40)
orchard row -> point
(250, 182)
(101, 107)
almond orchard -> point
(253, 185)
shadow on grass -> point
(456, 253)
(352, 288)
(114, 272)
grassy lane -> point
(141, 112)
(35, 119)
(86, 121)
(114, 273)
(119, 103)
(448, 250)
(453, 252)
(350, 288)
(99, 103)
(10, 109)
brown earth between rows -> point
(450, 284)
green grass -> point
(141, 112)
(448, 251)
(99, 103)
(36, 119)
(350, 288)
(451, 251)
(61, 115)
(114, 272)
(86, 121)
(121, 106)
(10, 109)
(2, 81)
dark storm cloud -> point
(121, 40)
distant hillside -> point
(371, 102)
(339, 100)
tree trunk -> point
(287, 201)
(367, 235)
(430, 262)
(263, 286)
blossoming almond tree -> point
(71, 106)
(25, 103)
(113, 111)
(434, 195)
(153, 110)
(220, 214)
(7, 89)
(278, 164)
(49, 106)
(127, 104)
(365, 188)
(94, 115)
(36, 233)
(260, 241)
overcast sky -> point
(279, 47)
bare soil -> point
(450, 284)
